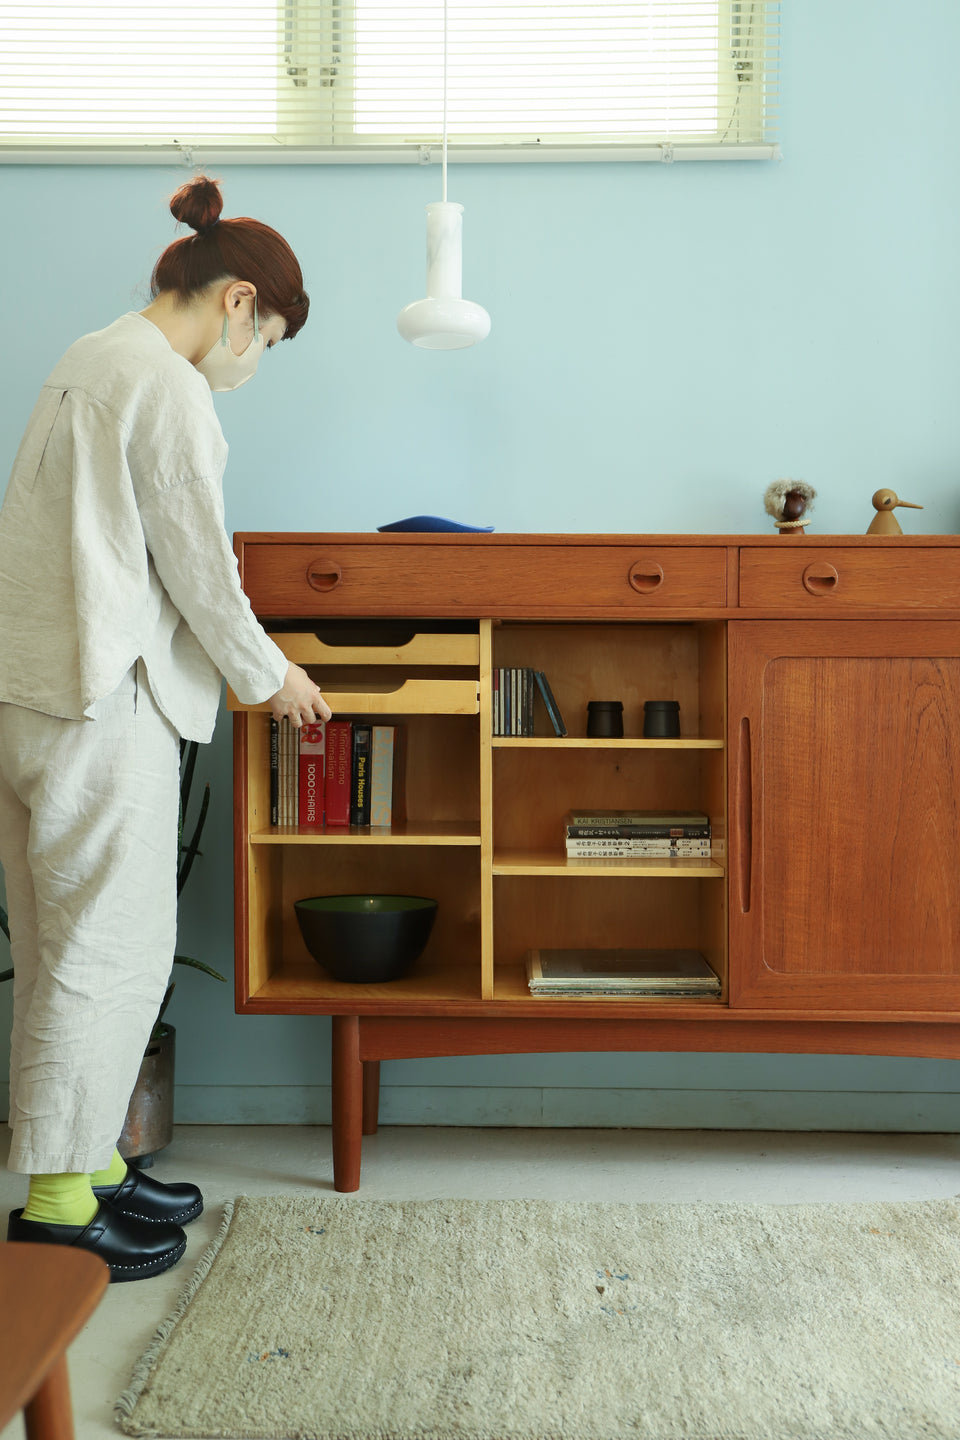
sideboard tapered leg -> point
(371, 1096)
(347, 1084)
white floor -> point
(408, 1163)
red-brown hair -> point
(241, 249)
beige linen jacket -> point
(112, 541)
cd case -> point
(620, 972)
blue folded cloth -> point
(432, 523)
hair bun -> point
(198, 204)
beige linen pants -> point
(88, 844)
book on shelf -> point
(283, 773)
(515, 689)
(550, 704)
(277, 778)
(510, 714)
(665, 973)
(274, 771)
(636, 825)
(311, 767)
(513, 709)
(336, 772)
(339, 772)
(382, 751)
(611, 849)
(362, 742)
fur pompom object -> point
(788, 501)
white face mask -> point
(223, 370)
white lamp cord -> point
(444, 100)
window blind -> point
(366, 79)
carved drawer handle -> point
(324, 574)
(645, 578)
(820, 578)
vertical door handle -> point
(744, 814)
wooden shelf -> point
(554, 862)
(299, 982)
(403, 833)
(516, 742)
(304, 986)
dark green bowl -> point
(366, 939)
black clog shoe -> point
(143, 1198)
(132, 1249)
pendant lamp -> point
(443, 320)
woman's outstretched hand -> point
(300, 699)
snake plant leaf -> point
(199, 965)
(191, 850)
(5, 927)
(158, 1026)
(189, 750)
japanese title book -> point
(625, 849)
(669, 973)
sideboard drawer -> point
(406, 697)
(296, 579)
(842, 579)
(310, 649)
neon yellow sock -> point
(61, 1200)
(115, 1173)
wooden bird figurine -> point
(884, 522)
(787, 501)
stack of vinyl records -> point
(670, 974)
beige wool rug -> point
(338, 1318)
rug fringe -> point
(124, 1406)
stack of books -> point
(338, 772)
(674, 974)
(515, 689)
(635, 834)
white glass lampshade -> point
(443, 320)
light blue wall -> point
(666, 341)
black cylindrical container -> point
(661, 719)
(604, 719)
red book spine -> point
(312, 748)
(338, 772)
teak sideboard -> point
(819, 688)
